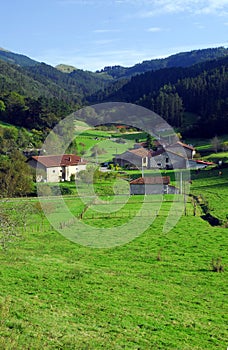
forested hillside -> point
(183, 59)
(17, 59)
(174, 93)
(192, 98)
(39, 96)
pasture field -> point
(202, 144)
(214, 189)
(216, 157)
(109, 148)
(109, 142)
(157, 292)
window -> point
(167, 160)
(53, 171)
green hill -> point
(64, 68)
(178, 92)
(16, 58)
(172, 87)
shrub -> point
(217, 265)
(72, 177)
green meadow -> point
(109, 143)
(213, 188)
(159, 291)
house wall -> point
(185, 152)
(73, 170)
(152, 189)
(40, 170)
(132, 160)
(53, 174)
(176, 161)
(137, 189)
(168, 160)
(147, 189)
(161, 161)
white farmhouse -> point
(55, 168)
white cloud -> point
(154, 29)
(159, 7)
(102, 31)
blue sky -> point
(91, 34)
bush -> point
(217, 265)
(72, 177)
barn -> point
(152, 185)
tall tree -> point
(15, 176)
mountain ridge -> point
(181, 59)
(39, 95)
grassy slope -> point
(106, 141)
(214, 188)
(58, 295)
(215, 157)
(205, 144)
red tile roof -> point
(179, 143)
(203, 162)
(140, 152)
(155, 180)
(59, 160)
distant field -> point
(106, 141)
(204, 144)
(215, 157)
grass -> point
(107, 141)
(214, 189)
(110, 147)
(160, 291)
(141, 136)
(202, 144)
(216, 157)
(59, 295)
